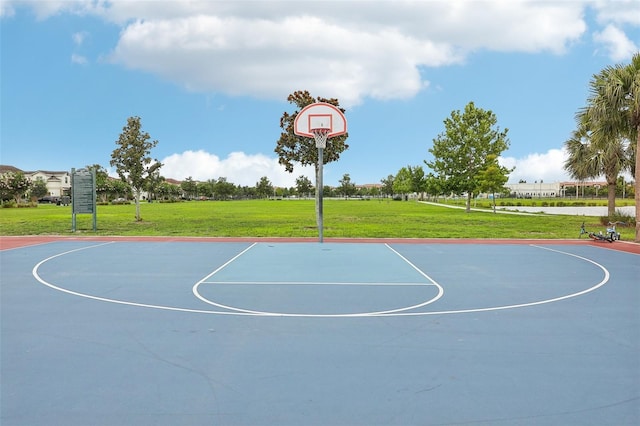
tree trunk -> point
(136, 194)
(468, 204)
(611, 198)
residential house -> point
(58, 182)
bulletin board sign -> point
(83, 195)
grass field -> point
(295, 218)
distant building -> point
(58, 182)
(549, 190)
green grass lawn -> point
(295, 218)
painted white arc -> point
(36, 274)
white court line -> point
(324, 283)
(413, 266)
(196, 292)
(526, 305)
(227, 263)
(35, 273)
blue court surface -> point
(289, 333)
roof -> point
(9, 169)
(49, 172)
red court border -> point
(12, 242)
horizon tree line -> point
(464, 157)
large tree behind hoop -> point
(298, 149)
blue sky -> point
(209, 79)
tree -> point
(14, 185)
(303, 186)
(245, 192)
(346, 188)
(207, 189)
(387, 185)
(132, 159)
(613, 112)
(434, 185)
(460, 152)
(402, 183)
(39, 188)
(418, 179)
(264, 188)
(292, 148)
(224, 190)
(493, 178)
(409, 180)
(588, 156)
(103, 186)
(189, 187)
(168, 191)
(120, 188)
(153, 185)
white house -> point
(58, 183)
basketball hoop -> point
(320, 135)
(320, 121)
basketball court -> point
(150, 331)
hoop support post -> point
(319, 188)
(320, 135)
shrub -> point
(620, 218)
(28, 205)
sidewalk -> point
(526, 210)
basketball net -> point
(320, 135)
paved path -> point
(584, 211)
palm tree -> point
(589, 157)
(613, 113)
(579, 162)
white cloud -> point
(238, 168)
(548, 167)
(616, 43)
(79, 37)
(6, 10)
(78, 59)
(270, 59)
(338, 49)
(48, 8)
(618, 11)
(351, 50)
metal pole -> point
(319, 189)
(93, 196)
(73, 201)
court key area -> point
(198, 332)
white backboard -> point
(320, 115)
